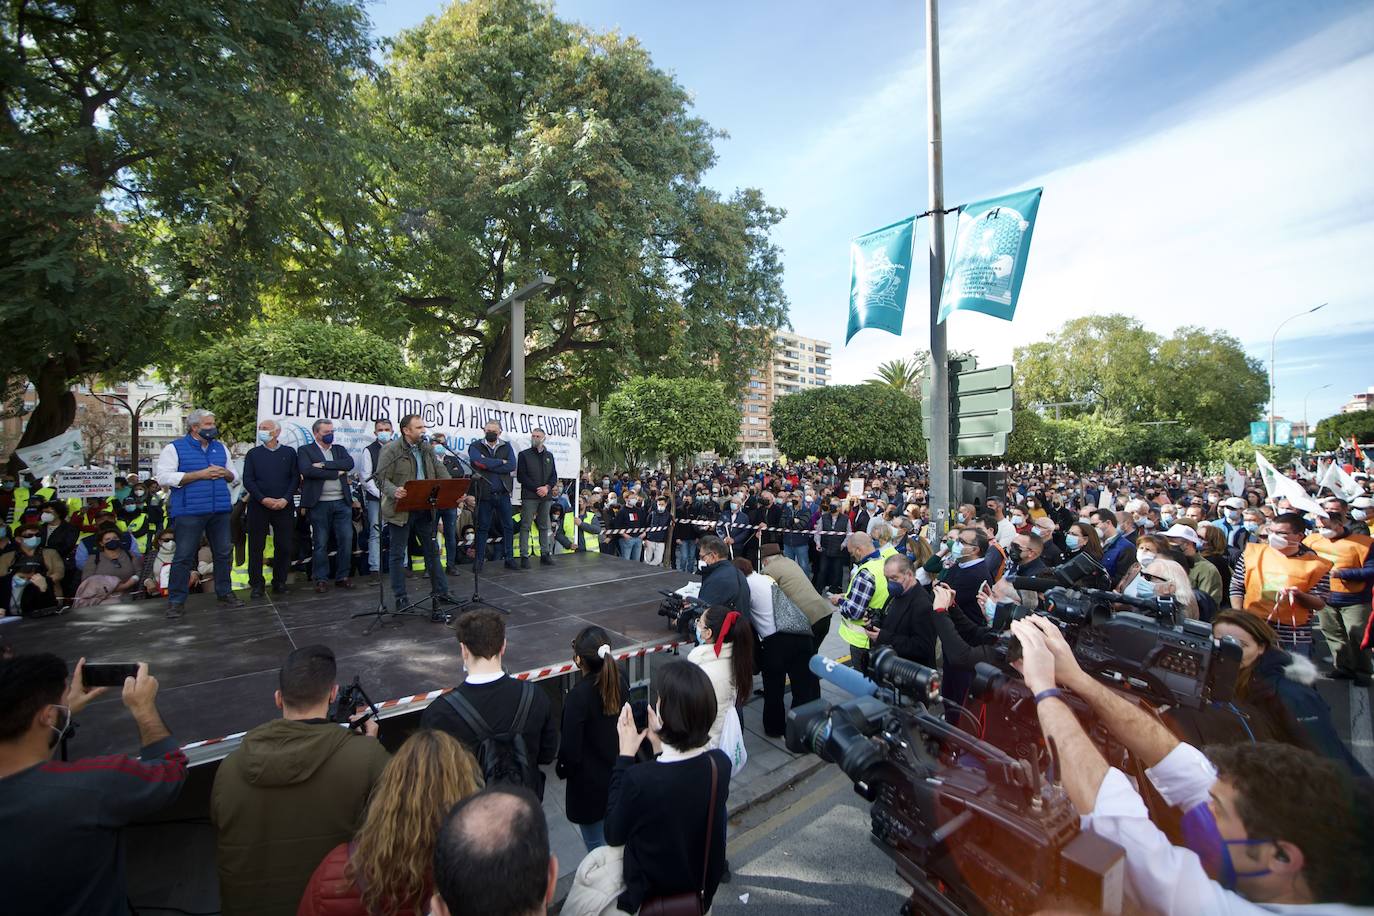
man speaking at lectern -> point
(410, 457)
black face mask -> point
(110, 545)
(492, 437)
(1014, 553)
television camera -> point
(345, 706)
(681, 612)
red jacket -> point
(330, 893)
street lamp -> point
(1273, 342)
(1307, 432)
(516, 301)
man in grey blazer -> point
(409, 457)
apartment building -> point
(794, 363)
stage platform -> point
(217, 669)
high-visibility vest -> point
(591, 543)
(1267, 571)
(1349, 552)
(850, 631)
(887, 550)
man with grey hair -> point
(196, 471)
(271, 478)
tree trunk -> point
(494, 381)
(54, 412)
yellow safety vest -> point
(1348, 552)
(850, 631)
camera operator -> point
(721, 582)
(963, 642)
(60, 821)
(1267, 827)
(295, 788)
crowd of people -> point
(314, 817)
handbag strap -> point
(710, 826)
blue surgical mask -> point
(956, 549)
(327, 438)
(1234, 515)
(960, 517)
(1072, 541)
(1202, 836)
(1167, 520)
(872, 507)
(384, 436)
(1143, 588)
(31, 542)
(990, 610)
(1252, 527)
(895, 588)
(264, 436)
(210, 434)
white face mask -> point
(1145, 557)
(1327, 532)
(990, 609)
(1278, 541)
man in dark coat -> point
(908, 619)
(721, 582)
(538, 475)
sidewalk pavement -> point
(770, 770)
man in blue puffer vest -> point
(196, 469)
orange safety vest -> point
(1267, 572)
(1349, 552)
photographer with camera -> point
(861, 606)
(295, 788)
(1267, 827)
(60, 821)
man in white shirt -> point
(1269, 828)
(197, 471)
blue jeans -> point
(374, 533)
(187, 529)
(449, 519)
(498, 504)
(593, 835)
(419, 522)
(800, 555)
(632, 548)
(687, 555)
(332, 516)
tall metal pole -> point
(1273, 345)
(939, 359)
(517, 351)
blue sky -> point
(1203, 162)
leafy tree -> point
(849, 423)
(1129, 375)
(675, 419)
(1240, 454)
(224, 378)
(1330, 431)
(904, 375)
(151, 156)
(501, 143)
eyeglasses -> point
(1153, 578)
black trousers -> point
(831, 573)
(786, 655)
(283, 525)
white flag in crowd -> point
(1302, 470)
(1280, 486)
(1339, 482)
(1235, 480)
(64, 451)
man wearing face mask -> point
(861, 607)
(656, 539)
(1118, 553)
(1248, 849)
(721, 583)
(493, 463)
(1283, 581)
(538, 475)
(633, 520)
(55, 814)
(1346, 614)
(768, 519)
(270, 478)
(1232, 524)
(196, 469)
(324, 470)
(908, 624)
(372, 495)
(735, 528)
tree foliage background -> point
(849, 422)
(1331, 430)
(655, 418)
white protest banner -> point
(857, 487)
(1279, 486)
(85, 482)
(64, 451)
(353, 407)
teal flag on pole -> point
(989, 255)
(879, 275)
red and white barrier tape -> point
(534, 674)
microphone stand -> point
(478, 560)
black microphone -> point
(1035, 583)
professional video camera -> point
(1150, 649)
(970, 828)
(682, 612)
(345, 706)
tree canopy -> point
(152, 156)
(674, 419)
(224, 378)
(850, 423)
(1330, 431)
(1128, 374)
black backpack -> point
(503, 756)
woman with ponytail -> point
(590, 744)
(726, 653)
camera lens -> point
(912, 678)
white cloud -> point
(1258, 202)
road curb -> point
(779, 781)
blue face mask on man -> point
(895, 588)
(209, 434)
(327, 438)
(384, 436)
(1202, 836)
